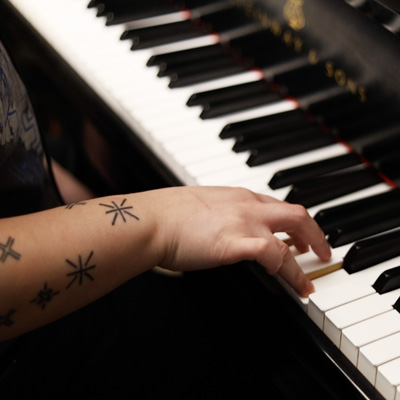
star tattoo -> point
(6, 320)
(119, 211)
(44, 296)
(8, 251)
(81, 270)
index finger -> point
(295, 220)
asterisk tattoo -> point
(8, 251)
(72, 205)
(44, 296)
(81, 270)
(6, 320)
(120, 210)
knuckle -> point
(277, 253)
(245, 193)
(300, 213)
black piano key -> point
(375, 223)
(219, 108)
(293, 175)
(275, 129)
(282, 149)
(361, 122)
(185, 56)
(384, 129)
(259, 44)
(156, 35)
(105, 6)
(339, 102)
(185, 78)
(389, 165)
(281, 120)
(319, 190)
(224, 20)
(323, 94)
(303, 80)
(145, 38)
(119, 13)
(210, 63)
(381, 148)
(387, 281)
(262, 139)
(396, 305)
(333, 217)
(192, 4)
(228, 93)
(371, 251)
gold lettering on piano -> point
(313, 57)
(263, 18)
(248, 7)
(276, 28)
(287, 38)
(297, 45)
(342, 79)
(292, 41)
(293, 14)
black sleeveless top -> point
(25, 183)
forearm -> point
(54, 262)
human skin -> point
(56, 261)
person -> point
(59, 257)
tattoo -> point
(6, 320)
(44, 296)
(72, 205)
(119, 211)
(81, 270)
(8, 251)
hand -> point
(204, 227)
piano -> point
(298, 99)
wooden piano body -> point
(358, 55)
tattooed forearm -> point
(44, 296)
(5, 320)
(119, 211)
(7, 250)
(81, 270)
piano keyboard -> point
(195, 142)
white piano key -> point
(377, 353)
(388, 379)
(368, 331)
(356, 311)
(356, 286)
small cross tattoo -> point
(8, 251)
